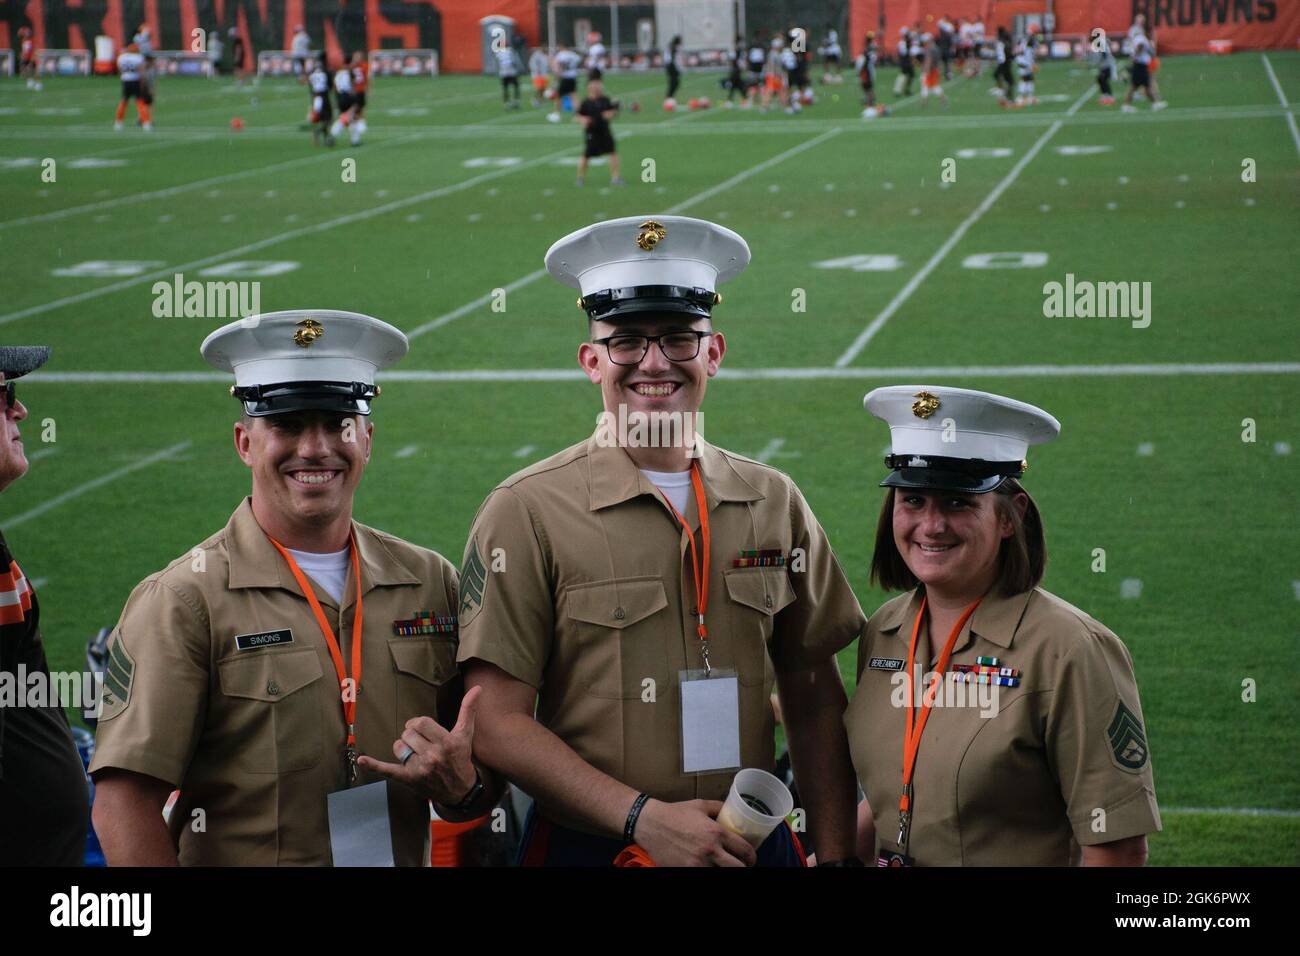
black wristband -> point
(629, 828)
(475, 792)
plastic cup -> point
(756, 804)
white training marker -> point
(1295, 586)
(1130, 588)
(407, 451)
(1112, 205)
(604, 190)
(101, 218)
(525, 451)
(774, 188)
(493, 191)
(548, 192)
(1146, 449)
(829, 187)
(722, 215)
(1183, 177)
(38, 583)
(1123, 180)
(326, 193)
(292, 217)
(42, 193)
(228, 217)
(887, 185)
(214, 193)
(166, 217)
(474, 216)
(538, 217)
(269, 194)
(660, 190)
(915, 211)
(1179, 204)
(1044, 208)
(1249, 201)
(1062, 181)
(413, 217)
(788, 214)
(850, 212)
(1281, 448)
(943, 185)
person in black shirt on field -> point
(44, 805)
(594, 114)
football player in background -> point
(345, 92)
(774, 76)
(906, 65)
(1002, 72)
(360, 86)
(566, 69)
(831, 52)
(130, 67)
(508, 67)
(27, 58)
(1026, 63)
(322, 109)
(932, 61)
(865, 65)
(539, 65)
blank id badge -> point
(710, 720)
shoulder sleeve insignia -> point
(119, 672)
(473, 581)
(1128, 742)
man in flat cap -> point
(628, 603)
(266, 672)
(43, 799)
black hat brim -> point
(935, 479)
(344, 398)
(17, 360)
(636, 308)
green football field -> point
(870, 267)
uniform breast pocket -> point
(756, 595)
(422, 666)
(274, 709)
(620, 630)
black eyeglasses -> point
(9, 390)
(631, 349)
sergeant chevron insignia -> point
(118, 675)
(1128, 742)
(473, 581)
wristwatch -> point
(475, 792)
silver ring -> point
(407, 756)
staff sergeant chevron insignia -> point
(118, 675)
(1128, 740)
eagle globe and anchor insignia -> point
(307, 332)
(652, 233)
(926, 404)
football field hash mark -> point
(525, 451)
(1130, 588)
(1146, 449)
(407, 451)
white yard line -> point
(310, 229)
(1290, 117)
(532, 277)
(1234, 811)
(184, 187)
(407, 451)
(96, 483)
(42, 453)
(918, 372)
(867, 334)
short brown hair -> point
(1022, 558)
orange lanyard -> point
(699, 568)
(336, 655)
(915, 728)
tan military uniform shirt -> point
(578, 581)
(255, 738)
(1063, 762)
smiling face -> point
(950, 541)
(656, 384)
(306, 466)
(13, 457)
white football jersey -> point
(319, 81)
(343, 81)
(1141, 49)
(596, 56)
(130, 65)
(538, 64)
(567, 62)
(507, 63)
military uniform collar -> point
(995, 620)
(615, 478)
(254, 562)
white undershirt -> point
(330, 571)
(676, 486)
